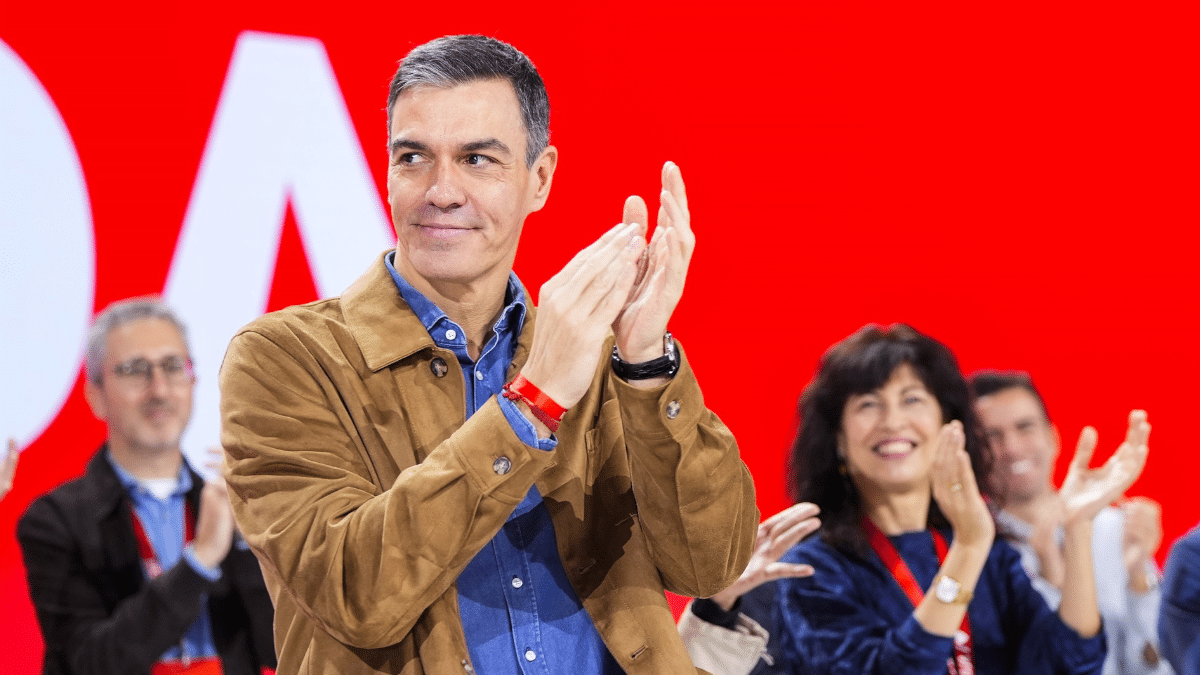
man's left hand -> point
(1143, 536)
(1085, 490)
(662, 270)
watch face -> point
(947, 589)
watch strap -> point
(666, 365)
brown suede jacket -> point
(356, 480)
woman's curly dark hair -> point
(859, 364)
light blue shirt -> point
(163, 522)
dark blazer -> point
(97, 611)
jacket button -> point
(439, 367)
(502, 465)
(673, 410)
(467, 667)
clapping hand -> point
(1085, 490)
(776, 535)
(8, 467)
(662, 270)
(214, 524)
(955, 490)
(1142, 537)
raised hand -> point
(1044, 540)
(1143, 535)
(662, 270)
(8, 467)
(576, 308)
(1085, 490)
(955, 490)
(214, 524)
(776, 535)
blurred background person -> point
(9, 467)
(1179, 617)
(132, 567)
(908, 576)
(1025, 445)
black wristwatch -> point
(665, 365)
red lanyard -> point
(150, 561)
(205, 666)
(962, 663)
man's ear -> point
(1057, 444)
(543, 176)
(95, 399)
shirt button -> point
(673, 410)
(502, 465)
(529, 655)
(479, 375)
(517, 583)
(451, 334)
(439, 367)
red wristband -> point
(542, 406)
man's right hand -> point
(576, 310)
(1142, 537)
(8, 467)
(214, 525)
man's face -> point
(458, 185)
(144, 413)
(1023, 441)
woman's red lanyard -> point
(962, 663)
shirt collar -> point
(512, 318)
(1019, 528)
(182, 486)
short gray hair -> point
(118, 314)
(459, 59)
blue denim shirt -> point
(519, 612)
(162, 520)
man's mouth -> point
(1021, 467)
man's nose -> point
(445, 188)
(158, 384)
(1006, 445)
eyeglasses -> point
(176, 370)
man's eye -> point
(139, 367)
(174, 365)
(408, 158)
(477, 159)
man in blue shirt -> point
(132, 567)
(437, 482)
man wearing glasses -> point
(132, 567)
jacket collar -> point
(106, 491)
(386, 328)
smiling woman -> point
(907, 575)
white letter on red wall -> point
(281, 131)
(47, 254)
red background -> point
(1018, 181)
